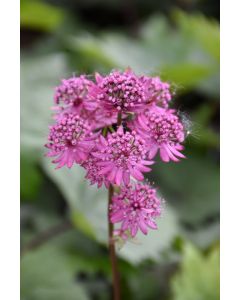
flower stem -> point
(112, 253)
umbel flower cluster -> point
(113, 126)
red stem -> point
(112, 253)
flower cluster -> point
(122, 155)
(121, 92)
(113, 126)
(70, 140)
(163, 131)
(136, 207)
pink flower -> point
(118, 91)
(73, 95)
(102, 118)
(159, 91)
(93, 169)
(70, 140)
(121, 155)
(136, 207)
(162, 130)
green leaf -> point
(31, 178)
(186, 75)
(191, 186)
(39, 75)
(198, 278)
(84, 200)
(40, 15)
(186, 56)
(204, 31)
(46, 274)
(80, 222)
(204, 236)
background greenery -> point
(63, 220)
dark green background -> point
(63, 219)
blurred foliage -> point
(187, 56)
(30, 178)
(59, 38)
(199, 276)
(39, 15)
(49, 280)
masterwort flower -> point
(72, 95)
(112, 126)
(159, 91)
(121, 92)
(70, 140)
(162, 130)
(93, 172)
(136, 207)
(122, 155)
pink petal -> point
(147, 162)
(164, 155)
(142, 121)
(126, 177)
(171, 156)
(143, 226)
(151, 224)
(174, 151)
(117, 217)
(99, 155)
(98, 77)
(136, 174)
(143, 168)
(134, 230)
(119, 176)
(125, 224)
(120, 129)
(105, 170)
(153, 151)
(112, 175)
(103, 140)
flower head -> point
(118, 91)
(136, 207)
(159, 91)
(70, 140)
(163, 131)
(73, 95)
(121, 155)
(93, 169)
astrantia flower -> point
(159, 91)
(123, 92)
(121, 155)
(102, 118)
(72, 95)
(163, 131)
(93, 169)
(136, 207)
(70, 140)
